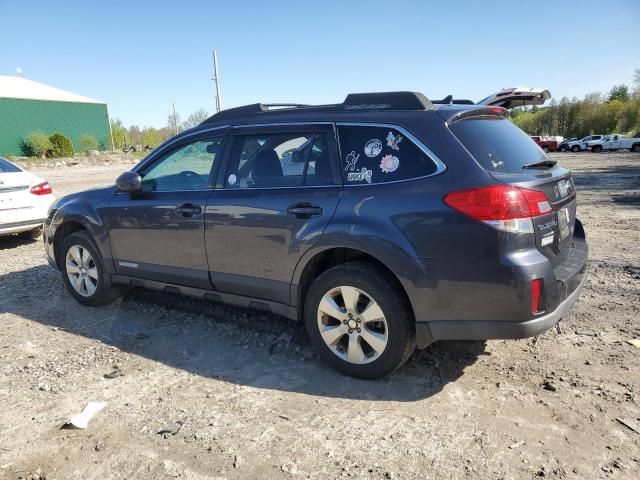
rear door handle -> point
(188, 210)
(304, 210)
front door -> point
(158, 233)
(279, 190)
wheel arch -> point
(65, 229)
(320, 260)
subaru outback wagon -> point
(384, 223)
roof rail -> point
(354, 101)
(449, 100)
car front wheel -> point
(83, 271)
(359, 320)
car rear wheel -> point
(359, 321)
(575, 148)
(546, 149)
(636, 148)
(563, 149)
(83, 271)
(596, 149)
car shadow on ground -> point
(612, 177)
(14, 241)
(212, 340)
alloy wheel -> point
(352, 325)
(82, 270)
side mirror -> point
(129, 182)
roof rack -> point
(354, 101)
(449, 100)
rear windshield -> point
(6, 167)
(497, 144)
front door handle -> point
(304, 210)
(188, 210)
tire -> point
(563, 149)
(575, 149)
(98, 289)
(596, 149)
(546, 149)
(31, 234)
(392, 333)
(636, 148)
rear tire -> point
(596, 149)
(563, 149)
(31, 234)
(369, 330)
(546, 149)
(83, 271)
(636, 148)
(575, 149)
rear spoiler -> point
(499, 112)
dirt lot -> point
(255, 402)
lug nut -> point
(359, 330)
(344, 321)
(351, 330)
(358, 320)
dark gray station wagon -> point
(385, 222)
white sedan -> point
(24, 201)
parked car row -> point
(598, 143)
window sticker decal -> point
(393, 141)
(373, 148)
(362, 175)
(389, 164)
(351, 161)
(232, 179)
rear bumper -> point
(428, 332)
(23, 226)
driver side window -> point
(186, 168)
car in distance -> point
(545, 144)
(24, 201)
(384, 223)
(614, 142)
(564, 145)
(580, 145)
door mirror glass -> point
(129, 182)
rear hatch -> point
(512, 158)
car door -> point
(278, 191)
(158, 233)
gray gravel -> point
(253, 400)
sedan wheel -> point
(82, 271)
(352, 325)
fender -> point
(396, 256)
(84, 210)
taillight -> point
(536, 295)
(501, 206)
(41, 189)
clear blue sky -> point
(141, 56)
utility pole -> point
(175, 118)
(216, 79)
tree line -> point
(618, 111)
(136, 135)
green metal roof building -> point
(27, 106)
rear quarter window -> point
(497, 144)
(7, 167)
(379, 155)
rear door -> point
(506, 152)
(279, 190)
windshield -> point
(497, 144)
(7, 167)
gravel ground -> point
(253, 401)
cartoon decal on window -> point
(393, 141)
(373, 148)
(363, 175)
(351, 161)
(389, 164)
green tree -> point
(87, 142)
(61, 146)
(196, 118)
(37, 144)
(120, 134)
(619, 92)
(151, 136)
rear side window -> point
(379, 155)
(280, 160)
(7, 167)
(497, 144)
